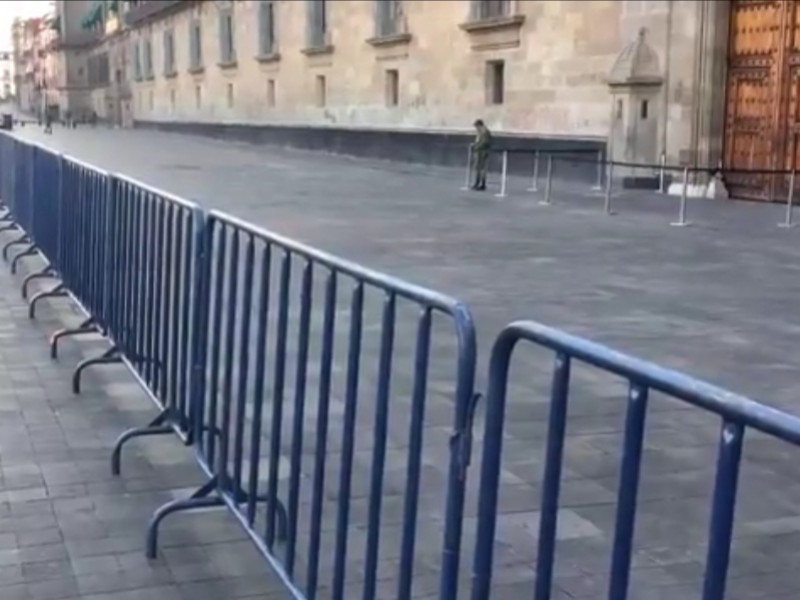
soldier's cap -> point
(478, 122)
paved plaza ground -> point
(717, 300)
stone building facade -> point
(405, 78)
(7, 85)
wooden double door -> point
(762, 125)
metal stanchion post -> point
(502, 193)
(787, 223)
(682, 222)
(662, 162)
(535, 182)
(548, 184)
(609, 179)
(469, 169)
(599, 183)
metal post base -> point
(29, 251)
(23, 239)
(60, 291)
(47, 272)
(109, 357)
(681, 224)
(155, 427)
(88, 326)
(786, 225)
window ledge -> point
(170, 74)
(318, 50)
(197, 70)
(150, 77)
(391, 39)
(493, 24)
(269, 58)
(228, 64)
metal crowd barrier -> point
(234, 302)
(736, 413)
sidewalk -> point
(68, 528)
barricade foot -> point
(10, 227)
(200, 499)
(29, 251)
(681, 224)
(88, 326)
(59, 291)
(46, 272)
(23, 239)
(110, 356)
(155, 427)
(785, 225)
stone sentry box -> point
(635, 85)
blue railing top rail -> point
(388, 283)
(714, 399)
(144, 187)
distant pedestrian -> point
(481, 148)
(48, 122)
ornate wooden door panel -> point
(755, 78)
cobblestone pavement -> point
(716, 300)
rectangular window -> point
(321, 92)
(198, 97)
(172, 100)
(137, 62)
(148, 59)
(490, 9)
(169, 52)
(392, 87)
(317, 23)
(195, 45)
(266, 28)
(495, 82)
(227, 48)
(230, 95)
(271, 93)
(387, 17)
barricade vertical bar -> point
(380, 433)
(168, 283)
(504, 176)
(258, 384)
(682, 222)
(157, 316)
(548, 185)
(231, 309)
(279, 380)
(299, 414)
(201, 323)
(411, 500)
(179, 308)
(348, 441)
(323, 408)
(627, 492)
(599, 183)
(468, 175)
(722, 511)
(662, 161)
(216, 342)
(150, 304)
(244, 364)
(609, 184)
(535, 179)
(787, 223)
(552, 477)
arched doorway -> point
(762, 122)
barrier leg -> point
(23, 239)
(44, 273)
(502, 193)
(109, 357)
(548, 184)
(60, 291)
(469, 170)
(200, 499)
(787, 223)
(88, 326)
(29, 251)
(155, 427)
(10, 227)
(682, 222)
(535, 180)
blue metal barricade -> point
(21, 195)
(235, 391)
(736, 412)
(150, 280)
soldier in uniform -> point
(480, 154)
